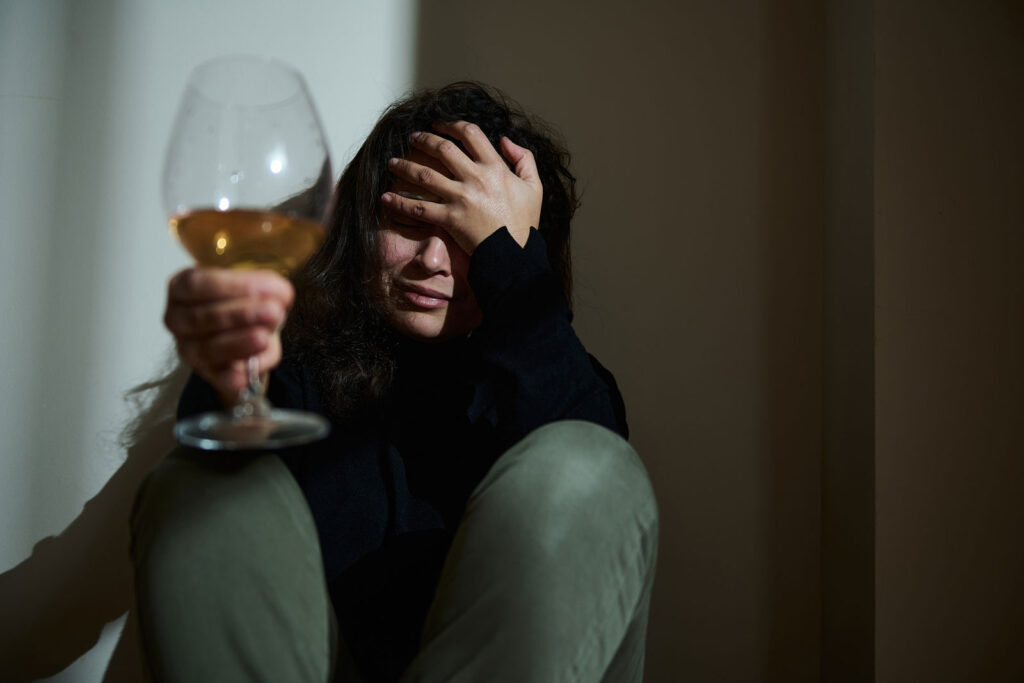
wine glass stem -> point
(251, 401)
(255, 386)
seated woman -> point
(475, 514)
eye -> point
(409, 226)
(400, 222)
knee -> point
(178, 489)
(194, 499)
(578, 480)
(171, 504)
(582, 464)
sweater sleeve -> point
(197, 397)
(534, 369)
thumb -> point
(523, 163)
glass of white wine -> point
(246, 184)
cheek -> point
(395, 251)
(459, 261)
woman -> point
(475, 514)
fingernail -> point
(386, 198)
(393, 162)
(415, 135)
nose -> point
(434, 255)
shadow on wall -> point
(57, 601)
(55, 604)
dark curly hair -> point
(335, 327)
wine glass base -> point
(223, 432)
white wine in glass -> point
(246, 184)
(247, 238)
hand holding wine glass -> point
(220, 318)
(246, 184)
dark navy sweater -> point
(387, 493)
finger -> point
(472, 138)
(523, 162)
(422, 176)
(235, 377)
(418, 209)
(210, 284)
(202, 320)
(449, 153)
(211, 355)
(230, 381)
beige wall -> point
(949, 249)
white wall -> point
(87, 94)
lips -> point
(424, 297)
(425, 291)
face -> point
(425, 292)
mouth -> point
(424, 297)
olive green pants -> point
(548, 578)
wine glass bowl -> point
(246, 184)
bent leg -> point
(549, 575)
(228, 575)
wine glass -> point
(246, 184)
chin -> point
(420, 326)
(428, 328)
